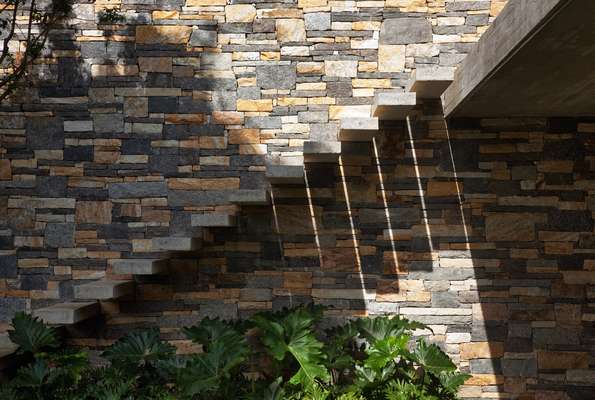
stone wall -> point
(130, 129)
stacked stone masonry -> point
(129, 133)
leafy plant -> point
(110, 16)
(32, 335)
(286, 358)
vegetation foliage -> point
(271, 356)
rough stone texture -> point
(406, 31)
(498, 258)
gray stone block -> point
(213, 219)
(317, 21)
(322, 152)
(139, 266)
(406, 31)
(276, 76)
(11, 305)
(430, 82)
(8, 266)
(215, 61)
(250, 197)
(108, 123)
(173, 243)
(45, 133)
(285, 174)
(183, 198)
(203, 38)
(263, 122)
(67, 313)
(393, 105)
(59, 235)
(103, 290)
(137, 189)
(526, 368)
(358, 129)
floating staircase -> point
(103, 290)
(430, 82)
(213, 220)
(393, 105)
(250, 197)
(358, 129)
(67, 313)
(285, 174)
(322, 152)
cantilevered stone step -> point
(430, 82)
(322, 152)
(393, 105)
(174, 243)
(103, 290)
(250, 197)
(358, 129)
(139, 266)
(285, 174)
(67, 313)
(213, 220)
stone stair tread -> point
(285, 174)
(430, 82)
(103, 290)
(174, 243)
(138, 266)
(213, 220)
(358, 129)
(250, 197)
(393, 105)
(321, 151)
(67, 313)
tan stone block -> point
(391, 58)
(253, 149)
(166, 14)
(475, 350)
(359, 111)
(197, 3)
(114, 70)
(240, 13)
(511, 227)
(485, 379)
(153, 215)
(290, 30)
(185, 118)
(136, 106)
(366, 25)
(163, 34)
(5, 170)
(93, 212)
(244, 136)
(227, 118)
(270, 56)
(155, 64)
(263, 105)
(496, 7)
(310, 68)
(439, 189)
(66, 171)
(371, 83)
(562, 360)
(203, 183)
(130, 210)
(293, 280)
(312, 3)
(213, 142)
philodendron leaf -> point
(432, 358)
(379, 328)
(386, 351)
(139, 348)
(293, 334)
(31, 334)
(451, 380)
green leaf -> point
(293, 334)
(451, 381)
(31, 334)
(432, 358)
(379, 328)
(387, 351)
(32, 376)
(212, 330)
(139, 348)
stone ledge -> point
(103, 290)
(393, 105)
(430, 83)
(139, 266)
(67, 313)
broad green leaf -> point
(378, 328)
(452, 381)
(31, 334)
(139, 348)
(432, 358)
(386, 351)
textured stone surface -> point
(203, 38)
(405, 31)
(290, 30)
(276, 76)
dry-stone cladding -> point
(128, 130)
